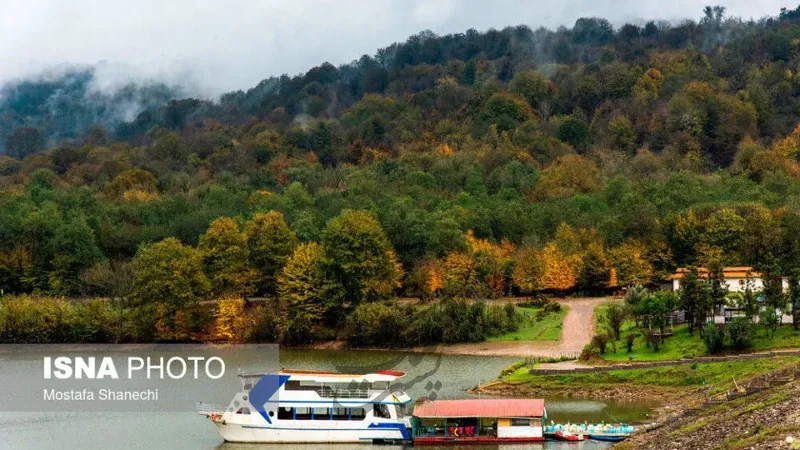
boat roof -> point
(334, 377)
(496, 407)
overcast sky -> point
(222, 45)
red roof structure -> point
(496, 407)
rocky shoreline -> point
(757, 413)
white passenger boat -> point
(305, 406)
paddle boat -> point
(562, 435)
(608, 432)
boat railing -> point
(329, 392)
(208, 408)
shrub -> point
(615, 317)
(713, 337)
(629, 339)
(27, 319)
(552, 307)
(540, 301)
(512, 368)
(92, 320)
(740, 333)
(377, 324)
(652, 339)
(600, 341)
(268, 324)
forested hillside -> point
(482, 163)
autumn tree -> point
(269, 242)
(425, 279)
(568, 176)
(301, 287)
(460, 276)
(169, 272)
(225, 257)
(528, 269)
(632, 267)
(559, 270)
(493, 262)
(229, 319)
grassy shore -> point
(661, 384)
(545, 328)
(678, 375)
(682, 345)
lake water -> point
(440, 376)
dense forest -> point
(478, 164)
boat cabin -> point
(478, 421)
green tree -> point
(170, 273)
(506, 111)
(714, 338)
(794, 297)
(225, 257)
(740, 333)
(773, 286)
(74, 249)
(270, 241)
(718, 290)
(615, 316)
(574, 132)
(694, 300)
(623, 137)
(359, 258)
(531, 86)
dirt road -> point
(577, 331)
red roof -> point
(393, 373)
(480, 408)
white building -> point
(736, 278)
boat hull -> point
(607, 437)
(441, 440)
(261, 434)
(561, 436)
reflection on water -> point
(548, 445)
(434, 376)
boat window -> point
(244, 410)
(357, 413)
(303, 414)
(381, 411)
(340, 414)
(285, 413)
(321, 414)
(520, 422)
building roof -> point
(727, 272)
(480, 408)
